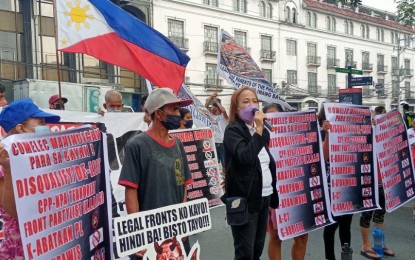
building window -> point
(348, 27)
(331, 84)
(365, 33)
(211, 2)
(266, 47)
(394, 64)
(349, 57)
(331, 56)
(176, 32)
(211, 76)
(381, 62)
(267, 75)
(366, 61)
(407, 64)
(312, 79)
(290, 14)
(380, 35)
(311, 19)
(9, 5)
(395, 88)
(394, 37)
(211, 39)
(94, 68)
(287, 14)
(239, 5)
(312, 50)
(408, 93)
(381, 88)
(240, 38)
(261, 9)
(291, 47)
(330, 23)
(294, 15)
(269, 10)
(291, 77)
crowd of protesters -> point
(155, 181)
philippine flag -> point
(103, 30)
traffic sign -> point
(360, 81)
(351, 71)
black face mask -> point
(172, 122)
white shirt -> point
(264, 159)
(222, 123)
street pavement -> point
(217, 244)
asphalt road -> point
(399, 235)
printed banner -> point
(353, 181)
(139, 231)
(394, 159)
(238, 68)
(201, 115)
(62, 193)
(203, 164)
(301, 175)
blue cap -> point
(20, 110)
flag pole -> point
(58, 64)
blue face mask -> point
(188, 124)
(42, 129)
(172, 122)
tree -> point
(406, 11)
(353, 3)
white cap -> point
(160, 97)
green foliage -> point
(352, 3)
(406, 11)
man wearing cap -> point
(21, 116)
(57, 103)
(155, 170)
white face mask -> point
(113, 111)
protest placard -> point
(203, 164)
(62, 192)
(141, 230)
(394, 159)
(352, 167)
(301, 183)
(237, 67)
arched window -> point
(294, 15)
(328, 23)
(261, 9)
(362, 29)
(351, 29)
(367, 32)
(287, 14)
(378, 34)
(308, 18)
(346, 27)
(333, 24)
(314, 20)
(269, 10)
(382, 35)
